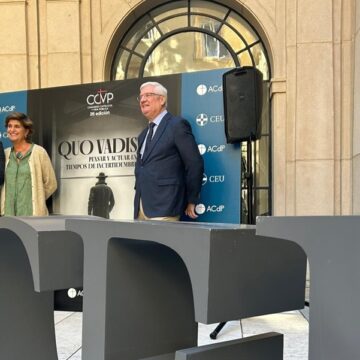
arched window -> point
(188, 36)
(195, 35)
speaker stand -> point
(251, 218)
(249, 176)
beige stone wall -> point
(49, 43)
(356, 131)
(14, 49)
(313, 164)
(344, 109)
(315, 80)
(311, 45)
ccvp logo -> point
(102, 97)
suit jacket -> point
(169, 176)
(2, 163)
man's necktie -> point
(149, 137)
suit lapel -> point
(159, 132)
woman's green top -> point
(18, 186)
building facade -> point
(313, 52)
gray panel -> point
(333, 247)
(149, 304)
(259, 347)
(145, 283)
(175, 274)
(26, 321)
(255, 275)
(37, 256)
(170, 356)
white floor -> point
(294, 325)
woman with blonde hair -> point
(29, 175)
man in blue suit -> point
(169, 168)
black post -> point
(249, 181)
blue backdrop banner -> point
(202, 105)
(9, 102)
(90, 128)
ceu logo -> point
(201, 89)
(204, 179)
(202, 149)
(200, 209)
(102, 97)
(217, 178)
(202, 119)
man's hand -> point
(190, 211)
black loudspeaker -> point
(242, 89)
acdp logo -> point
(201, 89)
(216, 148)
(7, 108)
(215, 208)
(202, 119)
(72, 293)
(200, 209)
(202, 149)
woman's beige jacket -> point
(43, 180)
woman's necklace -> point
(21, 150)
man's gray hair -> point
(159, 89)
